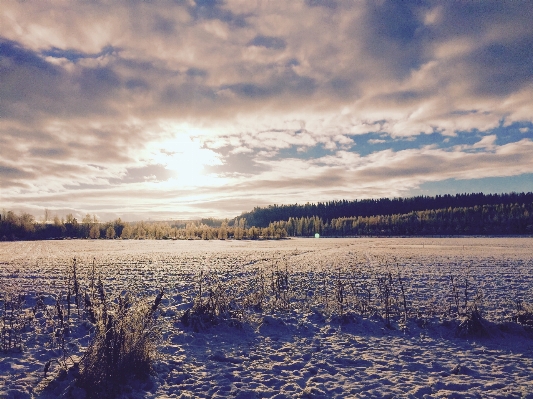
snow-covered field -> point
(323, 335)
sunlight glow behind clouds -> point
(186, 158)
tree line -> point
(489, 219)
(263, 216)
(24, 226)
(502, 219)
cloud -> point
(322, 3)
(270, 42)
(486, 142)
(261, 95)
(73, 55)
(333, 61)
(332, 176)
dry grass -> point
(524, 315)
(124, 345)
(125, 332)
(472, 324)
(212, 304)
(337, 292)
(13, 319)
(371, 289)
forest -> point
(465, 214)
(262, 217)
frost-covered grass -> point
(293, 318)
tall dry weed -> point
(124, 343)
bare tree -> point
(110, 232)
(47, 215)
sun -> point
(187, 158)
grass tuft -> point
(524, 315)
(124, 345)
(472, 325)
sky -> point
(208, 108)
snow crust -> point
(301, 352)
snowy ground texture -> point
(324, 336)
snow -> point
(305, 351)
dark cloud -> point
(332, 4)
(145, 173)
(208, 3)
(102, 150)
(75, 55)
(272, 42)
(12, 172)
(31, 135)
(98, 81)
(395, 35)
(188, 95)
(332, 177)
(238, 164)
(14, 177)
(214, 9)
(342, 87)
(84, 186)
(137, 84)
(26, 79)
(464, 112)
(502, 68)
(417, 166)
(13, 55)
(53, 153)
(394, 21)
(474, 18)
(403, 97)
(33, 88)
(251, 90)
(197, 72)
(499, 61)
(285, 83)
(164, 25)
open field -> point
(280, 319)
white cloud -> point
(486, 142)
